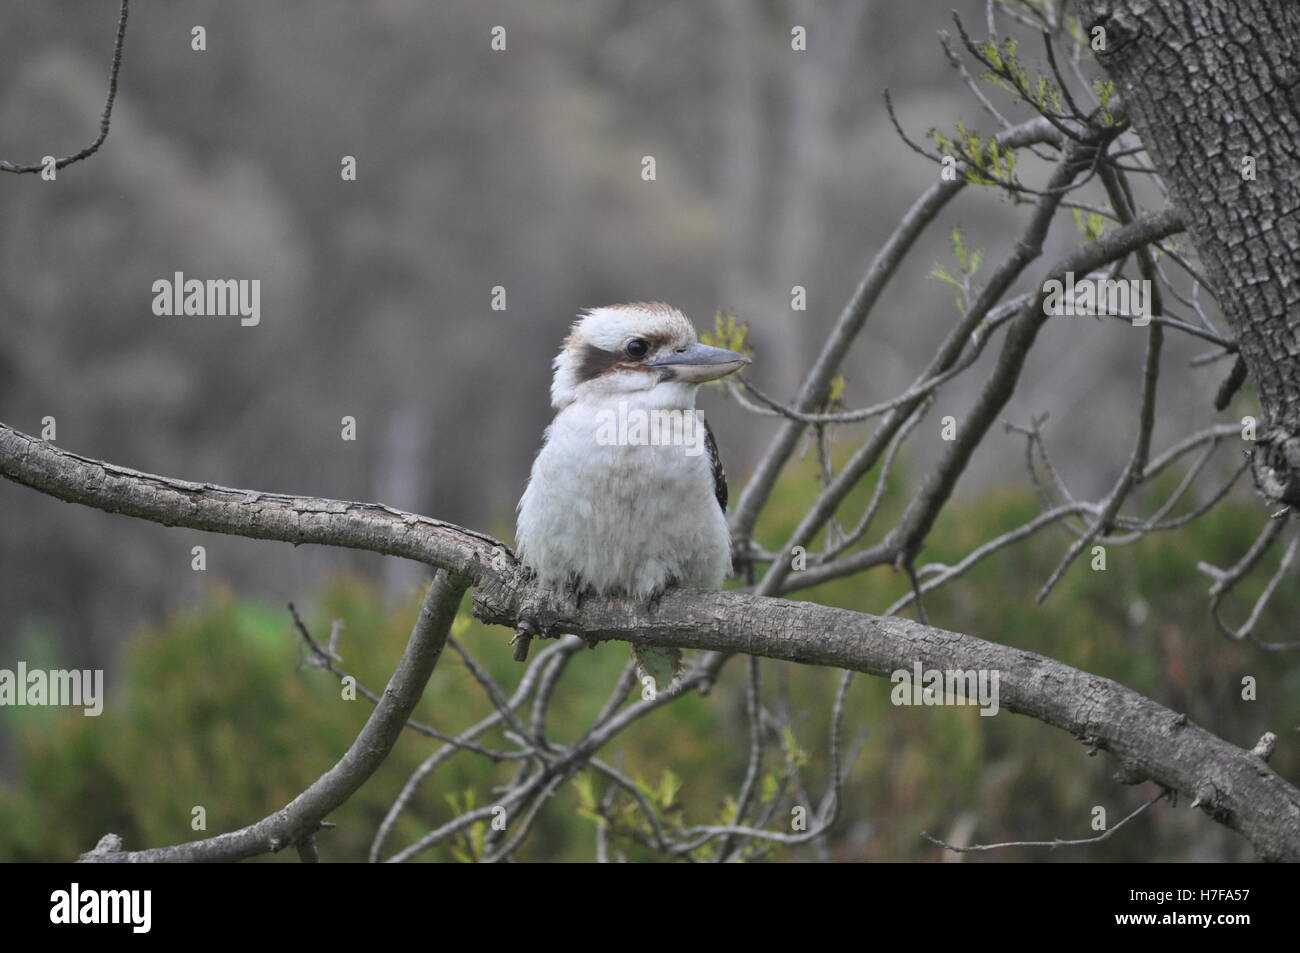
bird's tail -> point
(657, 667)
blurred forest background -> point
(522, 169)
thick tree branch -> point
(1229, 783)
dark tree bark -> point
(1211, 85)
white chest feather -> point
(622, 516)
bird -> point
(628, 496)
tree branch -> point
(854, 317)
(297, 822)
(105, 117)
(1150, 741)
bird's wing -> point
(715, 461)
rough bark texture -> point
(1207, 84)
(1232, 784)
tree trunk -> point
(1212, 86)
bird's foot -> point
(652, 602)
(659, 668)
(520, 643)
(545, 613)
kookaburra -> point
(627, 495)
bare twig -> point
(1053, 844)
(105, 116)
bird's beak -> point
(698, 363)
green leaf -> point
(669, 785)
(728, 333)
(836, 391)
(586, 791)
(940, 272)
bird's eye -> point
(638, 348)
